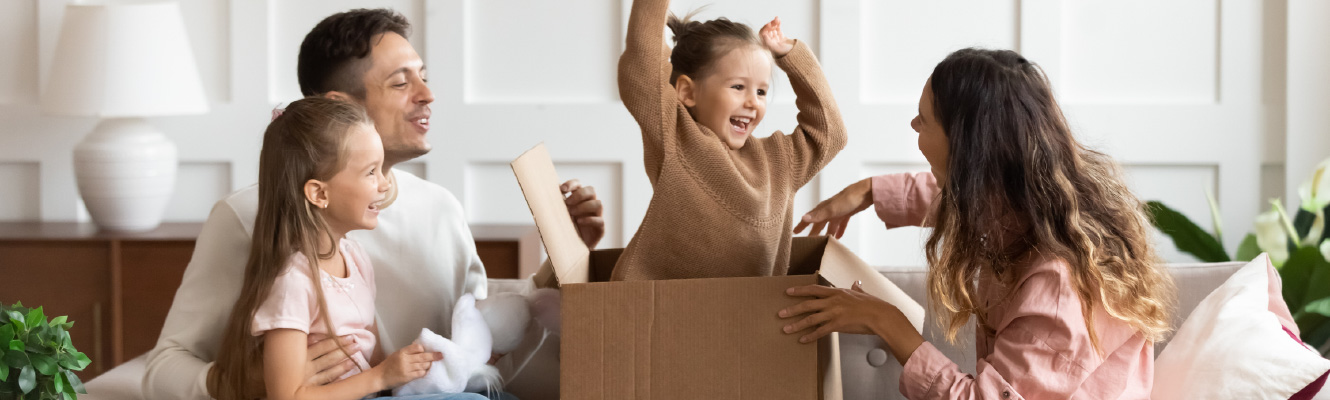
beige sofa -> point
(869, 372)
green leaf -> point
(17, 345)
(82, 359)
(16, 359)
(1300, 273)
(27, 379)
(69, 387)
(59, 381)
(44, 364)
(1248, 250)
(1187, 236)
(59, 320)
(1302, 223)
(4, 371)
(36, 317)
(6, 333)
(16, 318)
(1318, 286)
(67, 361)
(1319, 306)
(74, 381)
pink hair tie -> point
(277, 112)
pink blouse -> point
(1033, 343)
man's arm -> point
(178, 366)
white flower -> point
(1271, 237)
(1315, 192)
(1325, 249)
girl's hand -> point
(774, 39)
(587, 211)
(834, 213)
(405, 365)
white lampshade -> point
(124, 60)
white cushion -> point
(1232, 346)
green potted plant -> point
(38, 360)
(1298, 247)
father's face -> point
(397, 98)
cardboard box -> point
(687, 338)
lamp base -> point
(125, 170)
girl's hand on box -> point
(586, 210)
(774, 39)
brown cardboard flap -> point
(841, 268)
(540, 186)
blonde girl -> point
(320, 176)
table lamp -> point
(123, 62)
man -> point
(423, 253)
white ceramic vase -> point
(126, 173)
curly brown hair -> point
(1019, 184)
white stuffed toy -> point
(481, 329)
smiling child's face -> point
(731, 98)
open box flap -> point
(841, 268)
(540, 186)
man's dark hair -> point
(335, 54)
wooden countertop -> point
(75, 231)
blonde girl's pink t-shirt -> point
(292, 303)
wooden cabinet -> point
(118, 287)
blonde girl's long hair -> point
(306, 141)
(1019, 184)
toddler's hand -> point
(774, 39)
(405, 365)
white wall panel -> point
(1182, 188)
(902, 246)
(18, 52)
(904, 40)
(209, 30)
(21, 200)
(551, 51)
(198, 185)
(1141, 51)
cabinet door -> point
(64, 278)
(150, 274)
